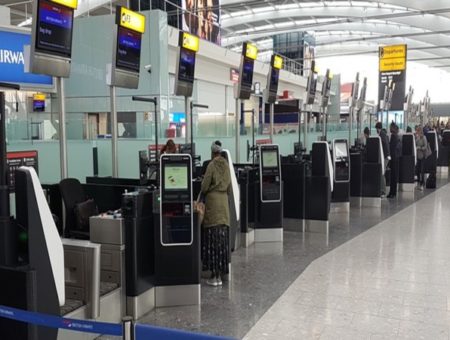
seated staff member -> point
(216, 186)
(169, 148)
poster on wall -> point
(202, 18)
(392, 67)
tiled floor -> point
(390, 282)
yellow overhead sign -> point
(395, 51)
(392, 64)
(277, 62)
(131, 20)
(250, 51)
(68, 3)
(190, 42)
(39, 96)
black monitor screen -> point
(54, 28)
(38, 105)
(313, 84)
(176, 177)
(247, 72)
(186, 68)
(128, 49)
(274, 80)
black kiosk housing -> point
(177, 235)
(341, 163)
(269, 223)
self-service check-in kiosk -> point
(373, 169)
(431, 161)
(341, 162)
(407, 164)
(177, 236)
(319, 187)
(269, 224)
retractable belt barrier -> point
(142, 332)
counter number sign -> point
(132, 20)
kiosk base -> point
(371, 202)
(442, 169)
(406, 187)
(356, 201)
(138, 306)
(171, 296)
(269, 235)
(247, 239)
(340, 207)
(317, 226)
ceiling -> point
(340, 27)
(345, 27)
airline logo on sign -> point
(393, 58)
(68, 3)
(277, 62)
(251, 51)
(190, 42)
(132, 20)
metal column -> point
(62, 128)
(188, 120)
(237, 136)
(114, 133)
(272, 118)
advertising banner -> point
(202, 18)
(392, 68)
(12, 62)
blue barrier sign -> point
(53, 321)
(12, 61)
(145, 332)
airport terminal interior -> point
(224, 169)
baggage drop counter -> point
(177, 237)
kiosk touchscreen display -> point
(340, 151)
(176, 177)
(270, 159)
(274, 80)
(247, 73)
(128, 49)
(186, 68)
(54, 28)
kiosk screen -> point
(270, 159)
(176, 177)
(128, 49)
(274, 80)
(340, 150)
(54, 28)
(186, 69)
(247, 73)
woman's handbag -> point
(199, 208)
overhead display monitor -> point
(247, 72)
(186, 66)
(176, 177)
(188, 45)
(128, 49)
(39, 102)
(54, 28)
(274, 79)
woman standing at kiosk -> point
(215, 244)
(423, 151)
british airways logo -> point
(11, 57)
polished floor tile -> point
(390, 282)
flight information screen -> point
(247, 72)
(186, 68)
(54, 28)
(274, 78)
(176, 177)
(128, 49)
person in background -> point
(387, 155)
(395, 152)
(206, 163)
(421, 145)
(169, 148)
(366, 133)
(216, 186)
(409, 129)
